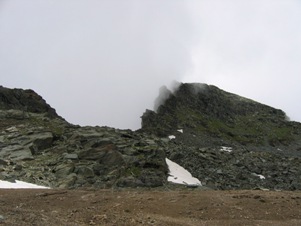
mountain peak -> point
(216, 116)
(24, 100)
(224, 140)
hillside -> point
(224, 140)
(40, 147)
(228, 141)
(222, 118)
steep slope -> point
(228, 141)
(38, 146)
(25, 101)
(211, 116)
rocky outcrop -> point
(226, 141)
(38, 146)
(23, 101)
(97, 157)
(239, 168)
(265, 146)
(211, 116)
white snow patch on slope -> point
(179, 175)
(19, 184)
(227, 149)
(180, 130)
(259, 175)
(171, 137)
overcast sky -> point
(101, 62)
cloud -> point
(251, 48)
(96, 62)
(103, 62)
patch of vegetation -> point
(215, 114)
(246, 129)
(281, 135)
(55, 128)
(133, 171)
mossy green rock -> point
(228, 141)
(211, 116)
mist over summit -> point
(217, 115)
(112, 55)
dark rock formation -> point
(211, 116)
(24, 101)
(228, 141)
(38, 146)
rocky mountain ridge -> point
(38, 146)
(226, 141)
(211, 116)
(24, 101)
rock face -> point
(207, 110)
(38, 146)
(227, 141)
(24, 101)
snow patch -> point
(259, 175)
(20, 184)
(226, 149)
(179, 175)
(171, 137)
(180, 130)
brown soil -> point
(149, 207)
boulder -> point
(107, 155)
(84, 171)
(63, 170)
(41, 141)
(16, 152)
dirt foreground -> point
(148, 207)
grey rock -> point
(24, 154)
(86, 134)
(8, 177)
(72, 156)
(42, 140)
(63, 170)
(219, 171)
(150, 142)
(100, 142)
(16, 152)
(84, 171)
(130, 181)
(3, 162)
(11, 129)
(68, 182)
(18, 167)
(13, 114)
(107, 155)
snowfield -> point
(179, 175)
(20, 184)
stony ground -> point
(149, 207)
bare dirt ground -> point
(149, 207)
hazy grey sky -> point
(102, 62)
